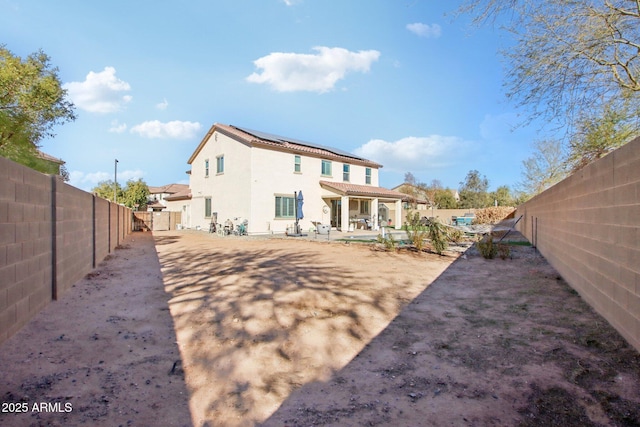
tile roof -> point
(155, 205)
(49, 157)
(180, 195)
(168, 189)
(348, 189)
(282, 144)
(414, 193)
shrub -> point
(388, 242)
(419, 229)
(438, 235)
(486, 247)
(504, 251)
(416, 230)
(455, 235)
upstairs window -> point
(297, 164)
(367, 176)
(220, 164)
(206, 168)
(326, 168)
(345, 172)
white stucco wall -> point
(182, 206)
(273, 174)
(252, 179)
(228, 190)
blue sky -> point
(403, 83)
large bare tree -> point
(544, 168)
(571, 57)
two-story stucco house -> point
(240, 174)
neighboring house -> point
(55, 164)
(416, 197)
(239, 174)
(181, 202)
(158, 196)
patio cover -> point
(347, 189)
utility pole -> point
(115, 182)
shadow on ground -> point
(257, 320)
(501, 342)
(306, 333)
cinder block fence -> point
(51, 235)
(588, 228)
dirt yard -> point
(104, 354)
(289, 332)
(299, 333)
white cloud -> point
(99, 92)
(87, 181)
(116, 127)
(126, 175)
(289, 72)
(291, 2)
(415, 153)
(174, 129)
(425, 30)
(162, 105)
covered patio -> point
(355, 206)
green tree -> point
(104, 189)
(443, 199)
(32, 102)
(136, 194)
(502, 196)
(597, 136)
(473, 191)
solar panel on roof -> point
(280, 139)
(262, 135)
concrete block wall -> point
(588, 228)
(51, 235)
(25, 245)
(74, 235)
(102, 233)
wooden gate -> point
(156, 221)
(161, 221)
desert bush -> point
(455, 235)
(438, 235)
(492, 215)
(416, 230)
(504, 251)
(486, 247)
(388, 242)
